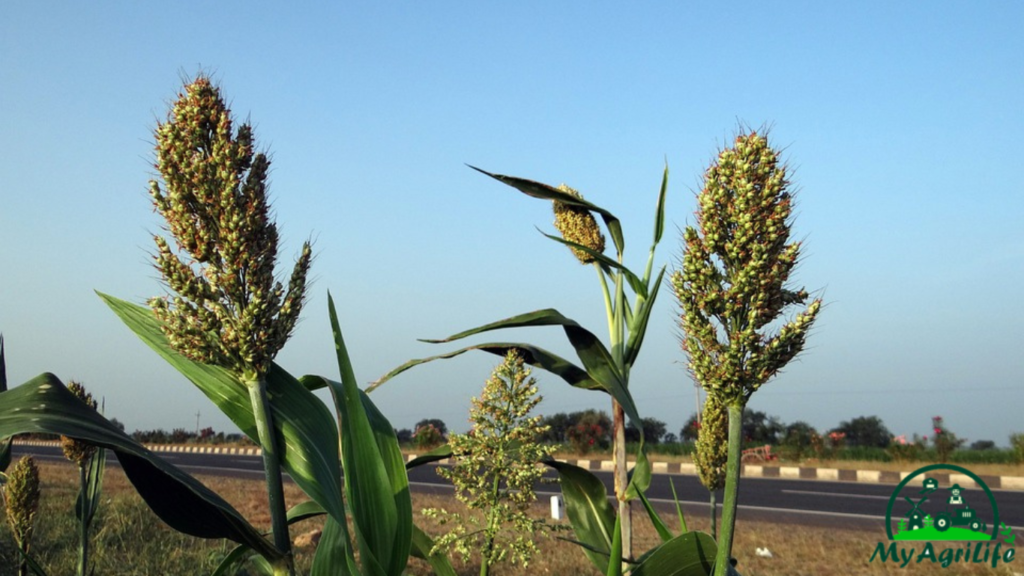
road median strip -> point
(680, 468)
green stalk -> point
(83, 525)
(272, 468)
(714, 515)
(485, 557)
(607, 299)
(732, 485)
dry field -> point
(130, 541)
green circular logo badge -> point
(934, 513)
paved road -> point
(808, 502)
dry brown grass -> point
(796, 550)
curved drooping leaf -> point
(690, 554)
(586, 505)
(435, 455)
(533, 355)
(304, 426)
(634, 282)
(598, 362)
(375, 479)
(44, 405)
(545, 192)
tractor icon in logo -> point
(941, 514)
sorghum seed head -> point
(578, 225)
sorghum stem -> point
(272, 468)
(732, 485)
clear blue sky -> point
(903, 122)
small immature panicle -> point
(578, 225)
(21, 497)
(712, 445)
(228, 308)
(78, 451)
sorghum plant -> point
(733, 286)
(91, 462)
(228, 308)
(495, 470)
(21, 500)
(606, 536)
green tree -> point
(760, 428)
(437, 423)
(799, 438)
(733, 287)
(495, 470)
(865, 431)
(654, 430)
(557, 426)
(691, 429)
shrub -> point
(1017, 444)
(427, 437)
(945, 441)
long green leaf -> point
(596, 358)
(679, 508)
(439, 453)
(533, 355)
(589, 512)
(89, 501)
(31, 562)
(615, 558)
(690, 554)
(659, 211)
(545, 192)
(306, 430)
(422, 544)
(334, 555)
(44, 405)
(229, 565)
(638, 323)
(375, 480)
(663, 532)
(634, 282)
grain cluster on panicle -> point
(228, 309)
(578, 225)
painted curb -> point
(678, 468)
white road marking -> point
(840, 494)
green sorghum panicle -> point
(735, 267)
(578, 225)
(227, 307)
(75, 450)
(21, 497)
(711, 449)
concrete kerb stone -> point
(684, 468)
